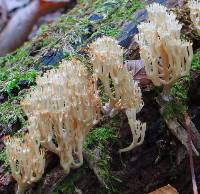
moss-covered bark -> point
(69, 35)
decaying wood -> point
(51, 181)
(57, 174)
(195, 135)
(92, 160)
(180, 132)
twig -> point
(188, 127)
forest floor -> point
(159, 161)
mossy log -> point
(141, 171)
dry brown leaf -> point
(57, 1)
(136, 67)
(47, 6)
(168, 189)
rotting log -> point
(92, 161)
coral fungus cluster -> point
(165, 55)
(26, 160)
(66, 106)
(61, 110)
(107, 60)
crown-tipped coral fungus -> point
(107, 60)
(167, 58)
(66, 106)
(26, 160)
(165, 55)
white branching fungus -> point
(194, 6)
(26, 160)
(66, 106)
(123, 92)
(165, 55)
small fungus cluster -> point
(61, 110)
(165, 55)
(26, 160)
(66, 106)
(107, 61)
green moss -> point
(43, 29)
(109, 31)
(105, 7)
(180, 89)
(101, 135)
(103, 97)
(4, 160)
(46, 42)
(120, 12)
(82, 1)
(68, 186)
(99, 140)
(19, 57)
(14, 77)
(126, 12)
(67, 56)
(196, 61)
(9, 79)
(3, 75)
(114, 14)
(178, 104)
(174, 110)
(10, 112)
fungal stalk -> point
(124, 93)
